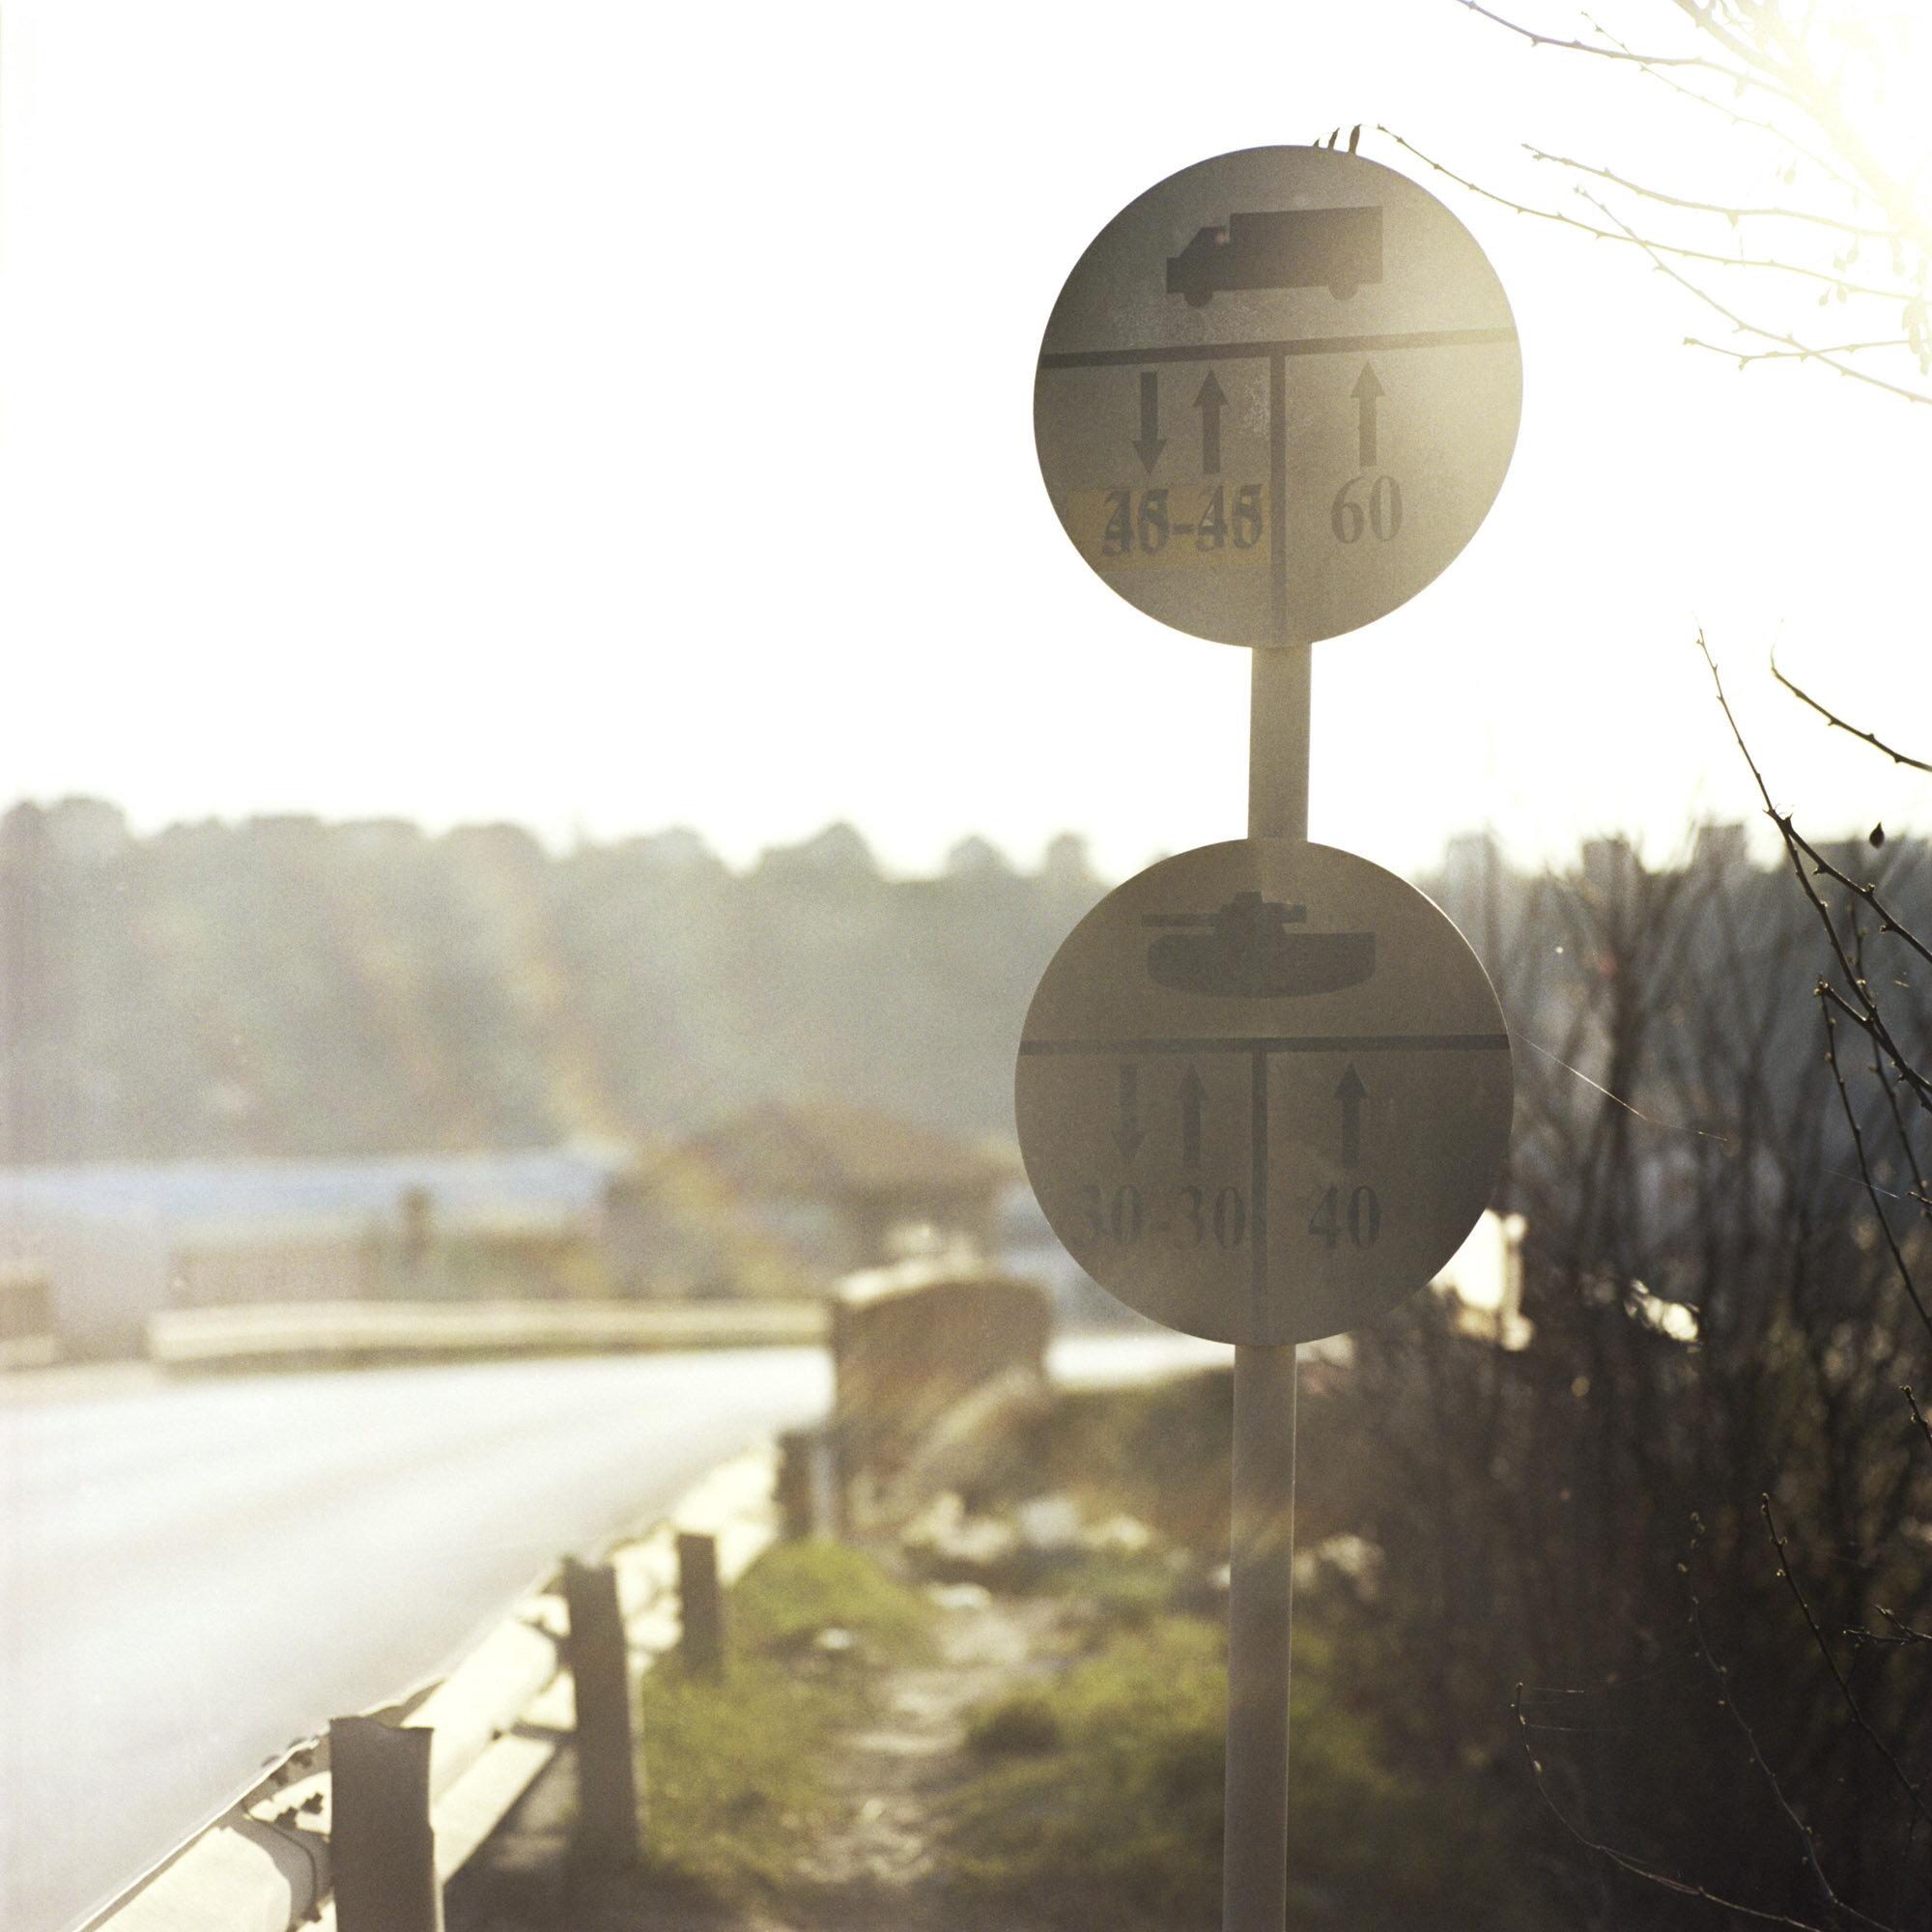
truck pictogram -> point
(1289, 248)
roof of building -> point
(822, 1149)
(463, 1189)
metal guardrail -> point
(495, 1723)
(319, 1334)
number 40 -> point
(1363, 1217)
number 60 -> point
(1346, 517)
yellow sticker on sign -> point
(1187, 527)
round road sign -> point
(1263, 1091)
(1277, 395)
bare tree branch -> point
(1867, 1014)
(1866, 1017)
(1745, 328)
(1924, 1428)
(1831, 718)
(1784, 1571)
(1625, 235)
(1624, 1863)
(1756, 50)
(1610, 51)
(1830, 1897)
(1833, 279)
(1733, 215)
(1871, 1192)
(1822, 354)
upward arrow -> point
(1352, 1094)
(1152, 443)
(1210, 402)
(1365, 392)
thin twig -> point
(1925, 1428)
(1627, 236)
(1834, 279)
(1731, 214)
(1802, 150)
(1829, 716)
(1633, 1866)
(1905, 1783)
(1758, 329)
(1822, 102)
(1612, 53)
(1751, 71)
(1822, 354)
(1867, 1019)
(1867, 891)
(1870, 1019)
(1906, 1633)
(1898, 1260)
(1729, 1703)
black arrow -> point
(1128, 1135)
(1365, 392)
(1210, 402)
(1191, 1090)
(1152, 443)
(1352, 1094)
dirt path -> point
(872, 1870)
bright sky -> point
(613, 415)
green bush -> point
(1101, 1796)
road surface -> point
(192, 1576)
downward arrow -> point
(1210, 402)
(1151, 445)
(1365, 392)
(1352, 1094)
(1191, 1090)
(1128, 1135)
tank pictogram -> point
(1247, 951)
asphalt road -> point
(192, 1576)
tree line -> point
(288, 987)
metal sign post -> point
(1263, 1089)
(1260, 1525)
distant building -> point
(115, 1242)
(788, 1196)
(775, 1201)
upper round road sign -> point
(1277, 395)
(1263, 1091)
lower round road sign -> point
(1263, 1091)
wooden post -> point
(794, 1487)
(702, 1611)
(606, 1780)
(382, 1848)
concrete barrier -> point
(911, 1344)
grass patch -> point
(797, 1590)
(730, 1768)
(1120, 1590)
(1101, 1793)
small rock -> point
(1049, 1523)
(959, 1596)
